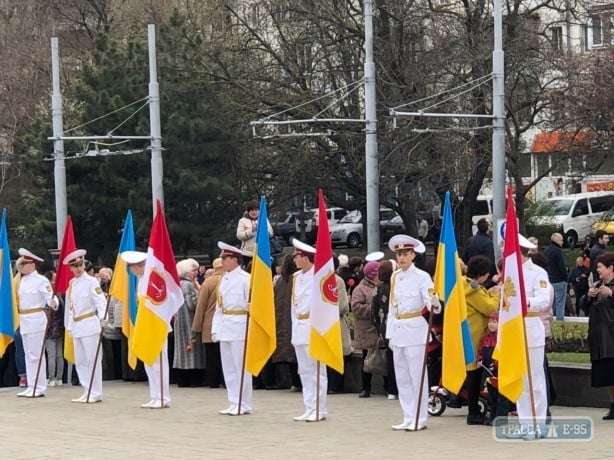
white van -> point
(575, 214)
(481, 208)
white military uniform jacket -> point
(34, 292)
(232, 304)
(409, 294)
(300, 306)
(537, 288)
(85, 306)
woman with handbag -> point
(365, 334)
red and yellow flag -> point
(325, 337)
(511, 345)
(159, 294)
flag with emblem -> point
(458, 349)
(123, 286)
(510, 351)
(159, 293)
(325, 335)
(9, 318)
(261, 339)
(62, 281)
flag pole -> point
(530, 378)
(241, 381)
(162, 377)
(89, 388)
(426, 353)
(318, 392)
(40, 356)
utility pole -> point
(157, 188)
(371, 160)
(59, 169)
(58, 138)
(498, 126)
(498, 132)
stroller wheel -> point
(437, 404)
(483, 405)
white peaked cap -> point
(133, 257)
(27, 255)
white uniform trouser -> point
(232, 366)
(32, 344)
(158, 381)
(408, 363)
(308, 368)
(540, 395)
(85, 351)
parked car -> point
(392, 227)
(396, 225)
(289, 227)
(605, 223)
(573, 215)
(349, 230)
(333, 215)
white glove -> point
(53, 304)
(214, 337)
(104, 322)
(435, 304)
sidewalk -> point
(54, 428)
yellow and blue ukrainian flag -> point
(123, 285)
(458, 350)
(9, 318)
(261, 337)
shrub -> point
(569, 337)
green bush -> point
(569, 337)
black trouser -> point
(390, 381)
(498, 405)
(366, 377)
(473, 383)
(336, 381)
(296, 379)
(214, 364)
(128, 374)
(111, 359)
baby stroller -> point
(440, 397)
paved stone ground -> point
(54, 428)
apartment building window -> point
(557, 38)
(597, 29)
(584, 38)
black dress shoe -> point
(609, 415)
(364, 394)
(475, 419)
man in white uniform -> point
(159, 391)
(302, 289)
(83, 315)
(228, 328)
(410, 292)
(537, 288)
(34, 296)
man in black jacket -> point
(480, 244)
(557, 273)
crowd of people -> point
(388, 305)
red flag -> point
(63, 273)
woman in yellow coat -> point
(480, 304)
